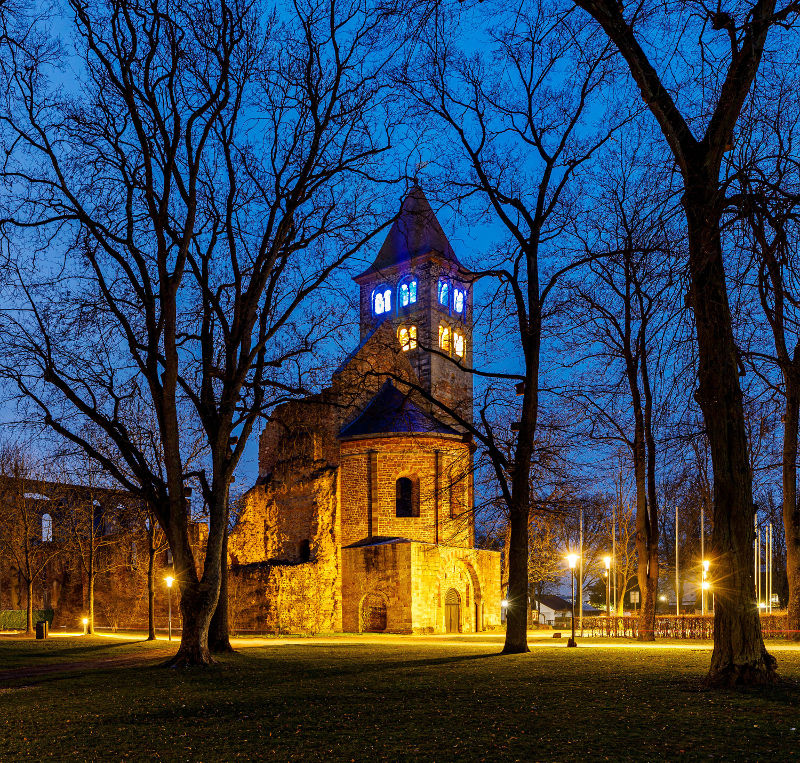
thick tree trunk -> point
(29, 608)
(91, 592)
(198, 600)
(517, 612)
(197, 606)
(151, 583)
(791, 513)
(219, 631)
(739, 655)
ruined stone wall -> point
(285, 598)
(383, 569)
(383, 460)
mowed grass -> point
(367, 701)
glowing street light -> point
(85, 622)
(572, 560)
(704, 587)
(169, 580)
(607, 560)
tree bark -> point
(151, 583)
(198, 599)
(739, 655)
(29, 608)
(219, 631)
(791, 514)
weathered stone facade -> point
(363, 516)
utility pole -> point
(614, 551)
(580, 575)
(677, 578)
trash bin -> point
(41, 629)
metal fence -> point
(773, 625)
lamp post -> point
(85, 622)
(572, 559)
(607, 560)
(168, 580)
(703, 587)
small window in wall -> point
(305, 550)
(459, 300)
(407, 293)
(444, 293)
(169, 556)
(47, 528)
(444, 339)
(458, 344)
(381, 300)
(407, 498)
(408, 338)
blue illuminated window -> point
(407, 293)
(444, 293)
(459, 300)
(381, 300)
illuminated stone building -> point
(362, 518)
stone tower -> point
(418, 284)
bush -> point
(14, 619)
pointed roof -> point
(392, 412)
(414, 233)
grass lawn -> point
(98, 698)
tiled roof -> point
(415, 232)
(391, 411)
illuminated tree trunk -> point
(151, 587)
(219, 631)
(791, 513)
(739, 655)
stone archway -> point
(373, 613)
(477, 595)
(452, 611)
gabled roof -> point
(392, 412)
(414, 233)
(556, 603)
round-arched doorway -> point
(452, 611)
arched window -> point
(458, 344)
(444, 293)
(47, 528)
(407, 292)
(381, 300)
(408, 337)
(459, 300)
(407, 498)
(444, 338)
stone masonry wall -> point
(473, 573)
(383, 569)
(411, 456)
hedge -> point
(15, 619)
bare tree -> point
(212, 173)
(623, 313)
(764, 200)
(522, 135)
(730, 46)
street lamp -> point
(168, 580)
(704, 587)
(85, 622)
(607, 560)
(572, 560)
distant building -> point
(362, 518)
